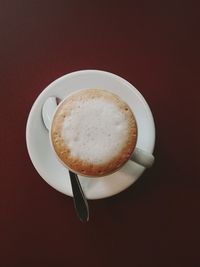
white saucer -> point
(46, 163)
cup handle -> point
(142, 157)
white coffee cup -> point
(139, 156)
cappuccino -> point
(93, 132)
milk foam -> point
(95, 131)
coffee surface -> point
(94, 132)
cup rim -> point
(64, 164)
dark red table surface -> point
(153, 44)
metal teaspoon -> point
(80, 201)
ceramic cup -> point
(139, 156)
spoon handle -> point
(80, 201)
